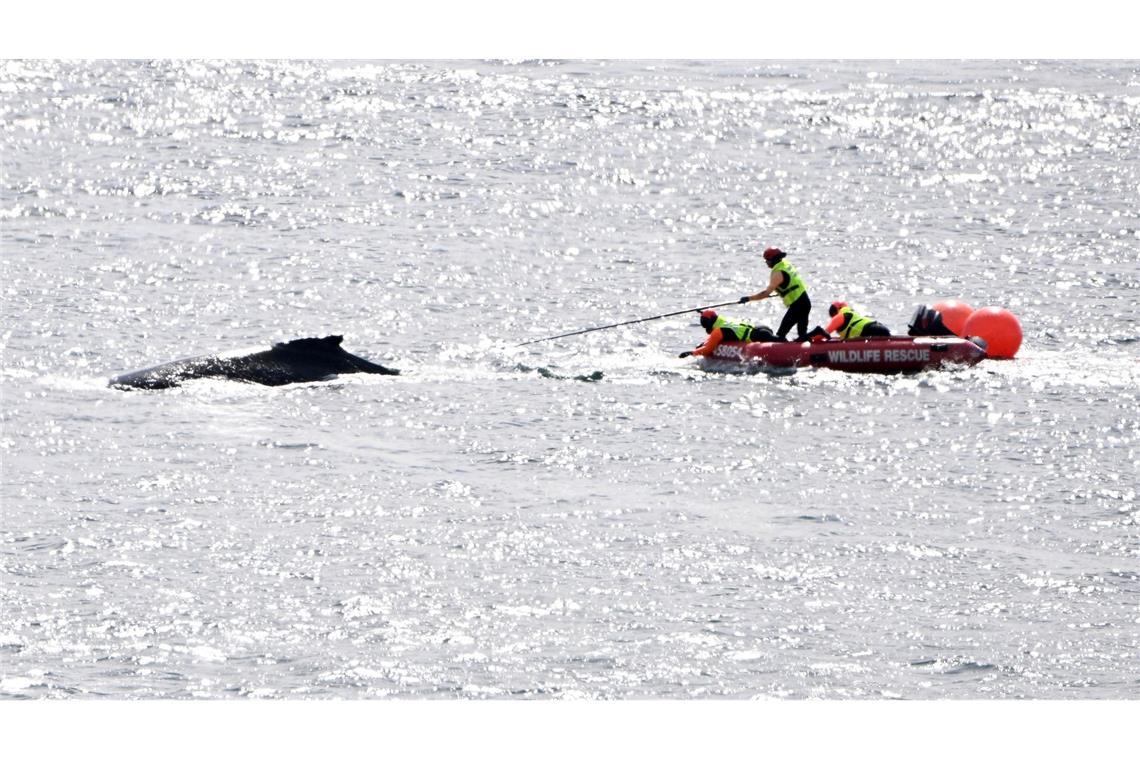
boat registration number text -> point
(728, 352)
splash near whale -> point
(304, 360)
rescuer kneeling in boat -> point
(786, 283)
(848, 324)
(720, 329)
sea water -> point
(587, 518)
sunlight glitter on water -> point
(589, 517)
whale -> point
(304, 360)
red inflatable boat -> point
(884, 355)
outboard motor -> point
(927, 321)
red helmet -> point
(708, 319)
(772, 255)
(835, 307)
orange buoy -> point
(954, 314)
(999, 328)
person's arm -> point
(715, 337)
(776, 280)
(835, 323)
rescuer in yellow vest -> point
(720, 329)
(848, 324)
(787, 284)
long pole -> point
(630, 322)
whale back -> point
(297, 361)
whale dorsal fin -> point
(326, 343)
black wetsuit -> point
(797, 314)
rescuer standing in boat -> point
(786, 283)
(720, 329)
(849, 324)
